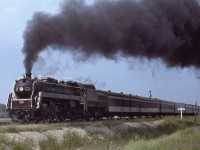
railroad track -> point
(5, 120)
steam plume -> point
(167, 30)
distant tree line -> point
(3, 111)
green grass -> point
(50, 143)
(187, 139)
(19, 146)
(12, 145)
(172, 134)
(98, 143)
(71, 140)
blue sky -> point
(124, 75)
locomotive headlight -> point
(21, 88)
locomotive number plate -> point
(21, 102)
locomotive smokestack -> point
(28, 75)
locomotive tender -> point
(48, 99)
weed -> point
(183, 139)
(50, 143)
(72, 139)
(19, 146)
(7, 144)
(98, 142)
(137, 138)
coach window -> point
(125, 103)
(118, 102)
(134, 103)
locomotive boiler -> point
(50, 100)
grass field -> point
(187, 139)
(173, 134)
(177, 135)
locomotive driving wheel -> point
(51, 117)
(76, 115)
(59, 113)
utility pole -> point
(150, 96)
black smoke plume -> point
(168, 30)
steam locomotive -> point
(50, 100)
